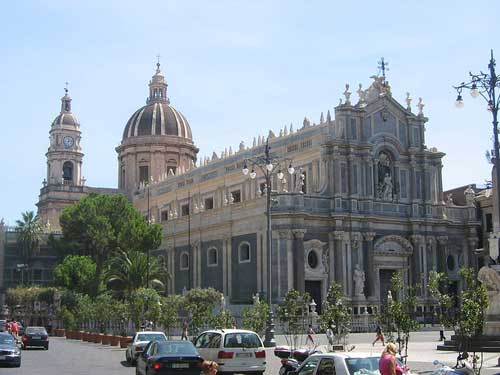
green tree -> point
(471, 316)
(128, 271)
(223, 319)
(292, 312)
(75, 273)
(144, 304)
(437, 287)
(336, 311)
(255, 317)
(397, 316)
(29, 236)
(169, 312)
(199, 304)
(100, 225)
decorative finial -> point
(328, 117)
(321, 118)
(361, 95)
(347, 95)
(158, 63)
(408, 102)
(420, 106)
(383, 66)
(66, 87)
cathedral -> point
(354, 198)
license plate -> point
(180, 365)
(243, 355)
(2, 357)
(36, 337)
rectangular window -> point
(209, 203)
(404, 183)
(37, 275)
(418, 183)
(488, 223)
(355, 179)
(164, 215)
(354, 133)
(185, 209)
(143, 173)
(236, 194)
(416, 136)
(343, 178)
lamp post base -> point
(269, 341)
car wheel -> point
(47, 347)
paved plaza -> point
(78, 358)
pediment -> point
(393, 245)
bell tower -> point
(64, 156)
(64, 184)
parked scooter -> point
(291, 360)
(462, 368)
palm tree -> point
(29, 232)
(128, 272)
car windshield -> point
(365, 365)
(151, 337)
(181, 348)
(242, 340)
(36, 331)
(7, 340)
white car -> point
(139, 342)
(350, 363)
(234, 350)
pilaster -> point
(441, 253)
(299, 270)
(369, 270)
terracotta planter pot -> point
(97, 338)
(59, 332)
(77, 335)
(84, 336)
(91, 337)
(114, 340)
(124, 341)
(69, 334)
(105, 339)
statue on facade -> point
(420, 106)
(256, 298)
(359, 281)
(469, 196)
(449, 199)
(491, 280)
(347, 94)
(387, 190)
(408, 102)
(299, 182)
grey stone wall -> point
(243, 275)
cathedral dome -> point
(65, 117)
(157, 117)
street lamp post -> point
(484, 84)
(149, 222)
(267, 164)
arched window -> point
(184, 261)
(68, 171)
(212, 257)
(244, 252)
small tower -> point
(64, 182)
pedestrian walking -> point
(8, 326)
(14, 329)
(330, 335)
(388, 364)
(310, 335)
(379, 335)
(441, 333)
(185, 326)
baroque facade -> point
(365, 201)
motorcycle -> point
(462, 368)
(292, 359)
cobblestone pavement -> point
(77, 358)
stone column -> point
(331, 252)
(369, 268)
(286, 250)
(339, 259)
(472, 258)
(298, 252)
(354, 257)
(416, 266)
(441, 253)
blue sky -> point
(235, 69)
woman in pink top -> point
(388, 364)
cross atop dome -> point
(66, 100)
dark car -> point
(9, 351)
(35, 336)
(167, 357)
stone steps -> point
(488, 344)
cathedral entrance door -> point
(385, 285)
(313, 287)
